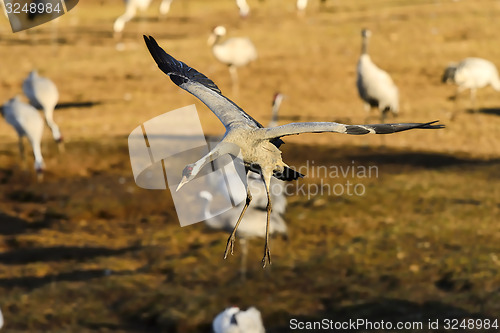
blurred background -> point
(86, 250)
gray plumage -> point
(43, 94)
(258, 146)
(27, 121)
(472, 73)
(375, 86)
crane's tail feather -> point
(178, 71)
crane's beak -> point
(184, 180)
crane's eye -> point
(187, 171)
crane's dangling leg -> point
(266, 177)
(231, 239)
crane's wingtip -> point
(430, 125)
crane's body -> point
(43, 94)
(27, 121)
(131, 8)
(258, 146)
(233, 52)
(234, 320)
(375, 86)
(473, 74)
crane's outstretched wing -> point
(320, 127)
(200, 86)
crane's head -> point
(218, 32)
(449, 73)
(365, 33)
(187, 175)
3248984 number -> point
(32, 8)
(470, 324)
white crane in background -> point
(472, 73)
(375, 86)
(131, 8)
(243, 8)
(233, 52)
(43, 94)
(234, 320)
(27, 121)
(258, 146)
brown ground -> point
(89, 251)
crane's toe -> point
(267, 256)
(230, 245)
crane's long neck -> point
(214, 40)
(220, 149)
(274, 113)
(364, 45)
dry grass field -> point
(86, 250)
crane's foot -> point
(267, 255)
(229, 246)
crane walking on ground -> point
(233, 52)
(27, 121)
(375, 86)
(131, 8)
(43, 94)
(472, 73)
(258, 146)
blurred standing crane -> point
(258, 146)
(243, 8)
(234, 320)
(27, 121)
(131, 7)
(472, 73)
(234, 52)
(43, 94)
(302, 5)
(375, 86)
